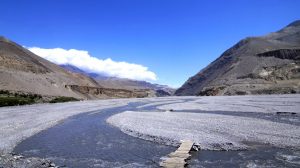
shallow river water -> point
(86, 140)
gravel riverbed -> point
(217, 123)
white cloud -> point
(84, 61)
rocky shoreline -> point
(12, 160)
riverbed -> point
(80, 134)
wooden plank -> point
(178, 158)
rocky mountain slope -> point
(122, 83)
(22, 71)
(256, 65)
(155, 89)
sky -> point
(162, 41)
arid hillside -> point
(256, 65)
(24, 72)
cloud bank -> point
(86, 62)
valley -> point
(109, 133)
(88, 84)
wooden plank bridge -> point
(178, 158)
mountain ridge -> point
(123, 83)
(22, 71)
(240, 69)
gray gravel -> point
(257, 103)
(13, 160)
(20, 122)
(217, 131)
(211, 130)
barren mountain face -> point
(257, 65)
(153, 90)
(22, 71)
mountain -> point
(122, 83)
(256, 65)
(23, 71)
(74, 69)
(157, 90)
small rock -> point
(17, 157)
(52, 165)
(285, 113)
(196, 147)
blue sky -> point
(173, 38)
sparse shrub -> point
(4, 92)
(13, 101)
(63, 99)
(293, 91)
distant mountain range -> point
(123, 83)
(23, 71)
(256, 65)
